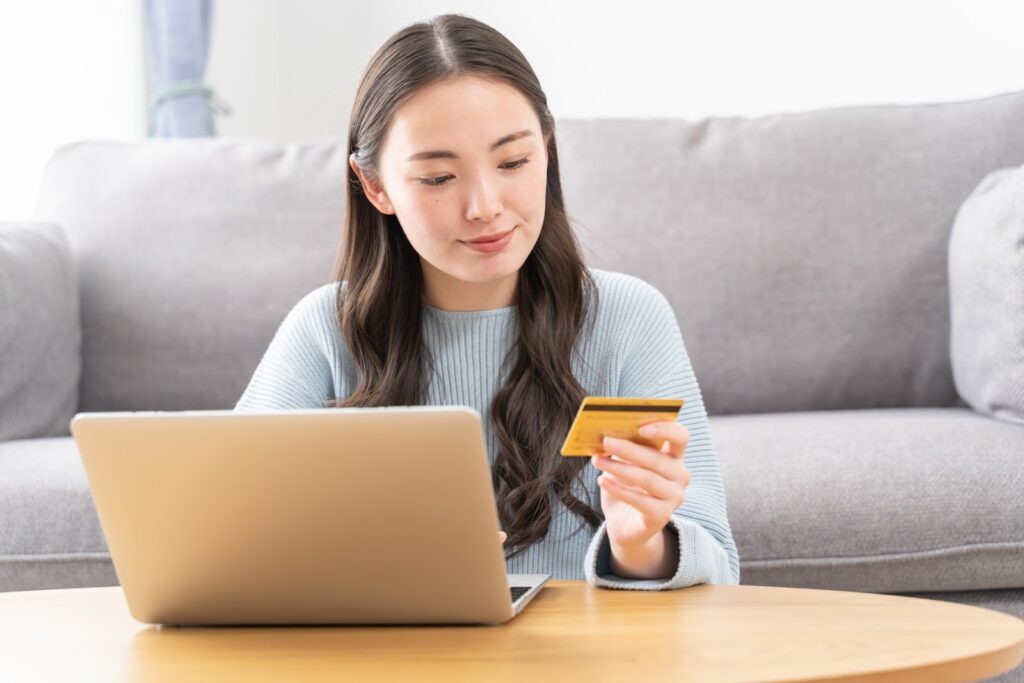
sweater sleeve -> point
(296, 369)
(658, 366)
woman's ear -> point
(373, 191)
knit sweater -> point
(633, 347)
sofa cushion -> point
(878, 501)
(191, 252)
(875, 500)
(986, 283)
(50, 535)
(804, 253)
(40, 337)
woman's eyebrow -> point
(445, 154)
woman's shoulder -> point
(613, 279)
(320, 301)
(621, 295)
(314, 315)
(634, 333)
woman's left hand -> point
(642, 487)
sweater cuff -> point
(701, 560)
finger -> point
(675, 435)
(620, 482)
(640, 454)
(502, 536)
(643, 503)
(641, 478)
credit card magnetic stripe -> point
(671, 410)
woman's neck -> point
(448, 293)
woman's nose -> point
(484, 200)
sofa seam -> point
(1007, 545)
(54, 556)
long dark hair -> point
(379, 308)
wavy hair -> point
(380, 307)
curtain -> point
(177, 37)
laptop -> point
(326, 516)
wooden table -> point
(570, 632)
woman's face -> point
(461, 160)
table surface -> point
(570, 631)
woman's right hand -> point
(502, 536)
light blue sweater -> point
(634, 348)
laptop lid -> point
(341, 516)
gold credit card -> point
(601, 416)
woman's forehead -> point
(468, 112)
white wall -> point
(641, 58)
(68, 70)
(289, 68)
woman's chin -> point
(492, 272)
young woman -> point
(461, 282)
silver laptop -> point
(332, 516)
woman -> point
(461, 282)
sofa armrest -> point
(40, 331)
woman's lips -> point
(496, 243)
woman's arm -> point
(698, 536)
(296, 370)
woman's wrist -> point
(658, 558)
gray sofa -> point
(805, 255)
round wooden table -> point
(570, 632)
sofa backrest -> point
(804, 253)
(190, 253)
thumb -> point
(502, 536)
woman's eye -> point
(435, 182)
(441, 180)
(513, 165)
